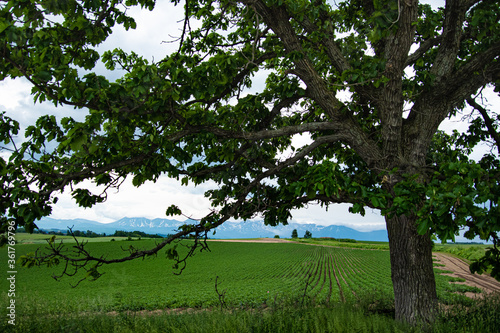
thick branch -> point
(398, 45)
(449, 47)
(434, 105)
(481, 69)
(269, 134)
(277, 19)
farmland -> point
(252, 275)
(249, 275)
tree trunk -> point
(412, 271)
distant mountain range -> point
(248, 229)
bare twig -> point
(221, 295)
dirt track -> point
(461, 269)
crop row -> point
(333, 274)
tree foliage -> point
(369, 81)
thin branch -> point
(423, 48)
(487, 121)
(186, 25)
(238, 78)
(332, 49)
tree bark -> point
(412, 271)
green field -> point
(351, 244)
(251, 276)
(469, 252)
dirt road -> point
(461, 269)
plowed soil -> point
(461, 269)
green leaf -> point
(78, 142)
(4, 24)
(423, 227)
(173, 210)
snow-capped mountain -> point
(247, 229)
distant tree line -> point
(120, 233)
(91, 234)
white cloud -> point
(13, 93)
(156, 33)
(150, 200)
(434, 3)
(17, 101)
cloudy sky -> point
(151, 38)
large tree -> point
(369, 81)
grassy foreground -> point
(483, 317)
